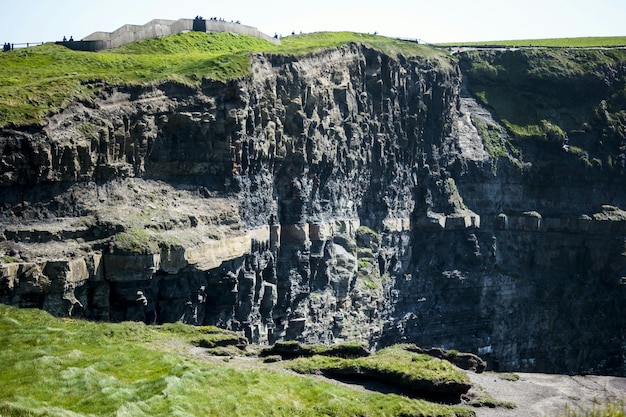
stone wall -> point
(158, 28)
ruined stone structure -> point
(344, 195)
(159, 28)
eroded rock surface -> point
(343, 195)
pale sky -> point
(432, 21)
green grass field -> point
(38, 80)
(63, 367)
(589, 42)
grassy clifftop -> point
(586, 42)
(38, 80)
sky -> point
(434, 21)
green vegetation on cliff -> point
(560, 99)
(587, 42)
(39, 80)
(60, 367)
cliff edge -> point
(341, 194)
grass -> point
(39, 80)
(135, 240)
(526, 86)
(454, 197)
(209, 337)
(303, 44)
(617, 409)
(61, 367)
(493, 140)
(364, 263)
(367, 271)
(549, 96)
(364, 230)
(371, 284)
(509, 377)
(395, 363)
(497, 146)
(484, 399)
(585, 42)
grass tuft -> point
(617, 409)
(394, 365)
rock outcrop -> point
(342, 195)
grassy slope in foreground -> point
(589, 42)
(60, 367)
(39, 80)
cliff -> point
(343, 194)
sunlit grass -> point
(395, 363)
(61, 367)
(583, 42)
(36, 81)
(301, 44)
(617, 409)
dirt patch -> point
(546, 395)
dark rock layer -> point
(344, 195)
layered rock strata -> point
(342, 195)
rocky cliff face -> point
(341, 195)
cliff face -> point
(338, 196)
